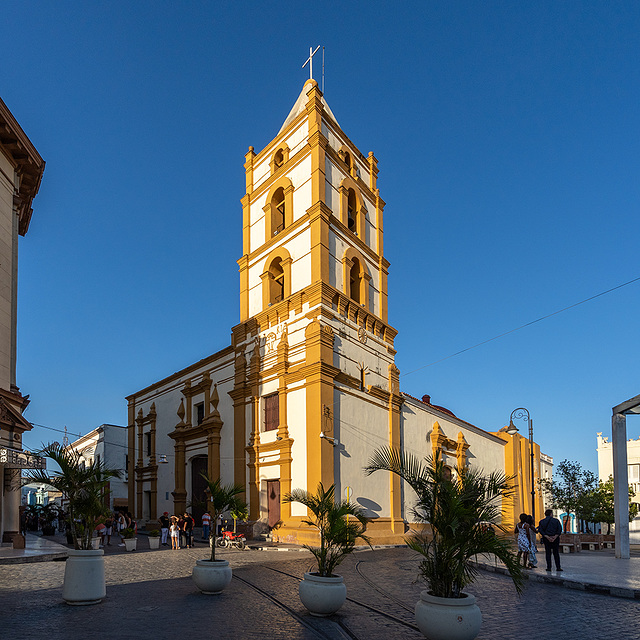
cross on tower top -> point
(310, 61)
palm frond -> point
(458, 510)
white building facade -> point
(605, 470)
(108, 445)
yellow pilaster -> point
(395, 487)
(319, 390)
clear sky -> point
(508, 140)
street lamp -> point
(519, 413)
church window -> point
(355, 278)
(278, 159)
(278, 211)
(148, 442)
(277, 281)
(199, 412)
(271, 412)
(352, 207)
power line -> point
(528, 324)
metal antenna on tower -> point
(65, 440)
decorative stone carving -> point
(362, 335)
(181, 412)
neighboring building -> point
(38, 493)
(605, 469)
(21, 169)
(108, 445)
(308, 388)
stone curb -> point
(579, 585)
(41, 557)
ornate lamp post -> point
(519, 413)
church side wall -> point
(485, 451)
(361, 426)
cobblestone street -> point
(152, 595)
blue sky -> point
(508, 143)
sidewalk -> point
(38, 549)
(594, 571)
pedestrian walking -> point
(164, 528)
(174, 530)
(521, 533)
(206, 525)
(533, 559)
(550, 530)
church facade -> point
(308, 388)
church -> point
(308, 387)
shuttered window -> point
(271, 412)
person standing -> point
(550, 530)
(533, 560)
(206, 525)
(164, 528)
(175, 533)
(188, 529)
(522, 539)
(108, 523)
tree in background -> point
(571, 490)
(604, 500)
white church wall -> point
(361, 425)
(297, 423)
(486, 452)
(295, 140)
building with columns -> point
(308, 387)
(21, 169)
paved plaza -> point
(151, 594)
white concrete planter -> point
(211, 577)
(95, 543)
(130, 544)
(154, 542)
(84, 577)
(322, 596)
(448, 618)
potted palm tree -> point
(323, 592)
(82, 486)
(129, 539)
(463, 512)
(212, 576)
(154, 539)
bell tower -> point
(314, 354)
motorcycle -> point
(230, 540)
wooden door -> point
(198, 486)
(273, 501)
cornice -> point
(26, 161)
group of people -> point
(525, 533)
(178, 528)
(115, 524)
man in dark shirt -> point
(164, 527)
(188, 529)
(550, 530)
